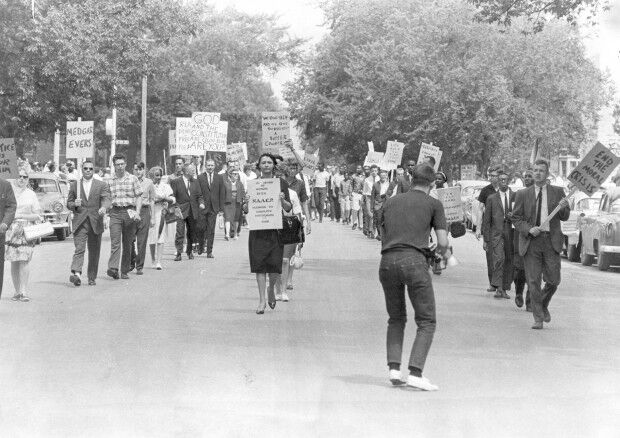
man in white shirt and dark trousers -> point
(321, 177)
(369, 182)
(378, 197)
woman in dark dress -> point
(265, 247)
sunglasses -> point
(87, 168)
(23, 177)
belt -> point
(125, 207)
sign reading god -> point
(450, 197)
(431, 154)
(594, 169)
(393, 155)
(276, 130)
(200, 133)
(80, 142)
(8, 158)
(265, 209)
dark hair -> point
(423, 175)
(88, 160)
(141, 165)
(442, 175)
(265, 154)
(119, 157)
(495, 168)
(179, 158)
(374, 166)
(277, 157)
(541, 162)
(383, 171)
(431, 159)
(530, 171)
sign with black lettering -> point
(80, 142)
(450, 197)
(8, 158)
(594, 169)
(265, 209)
(276, 130)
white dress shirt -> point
(87, 183)
(544, 211)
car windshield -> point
(615, 206)
(43, 185)
(588, 204)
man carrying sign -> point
(540, 240)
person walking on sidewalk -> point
(406, 222)
(147, 218)
(89, 200)
(8, 206)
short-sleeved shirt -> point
(320, 179)
(300, 188)
(125, 190)
(358, 183)
(148, 191)
(368, 184)
(408, 219)
(346, 188)
(485, 193)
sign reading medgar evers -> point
(80, 142)
(594, 169)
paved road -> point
(180, 352)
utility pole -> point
(143, 124)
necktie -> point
(506, 205)
(538, 206)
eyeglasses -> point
(87, 168)
(23, 177)
(119, 164)
(493, 175)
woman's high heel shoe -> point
(272, 304)
(260, 310)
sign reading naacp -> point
(80, 142)
(450, 197)
(8, 158)
(310, 163)
(468, 171)
(429, 151)
(276, 130)
(265, 209)
(194, 135)
(172, 142)
(235, 151)
(393, 155)
(374, 158)
(594, 169)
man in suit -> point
(89, 200)
(498, 235)
(493, 173)
(378, 197)
(8, 205)
(403, 183)
(210, 200)
(517, 259)
(540, 240)
(182, 189)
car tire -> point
(573, 253)
(586, 259)
(603, 261)
(60, 234)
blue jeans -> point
(400, 269)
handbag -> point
(457, 229)
(296, 261)
(172, 214)
(292, 230)
(36, 231)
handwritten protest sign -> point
(265, 210)
(594, 169)
(374, 158)
(450, 197)
(276, 130)
(235, 151)
(468, 171)
(172, 142)
(8, 158)
(429, 151)
(310, 163)
(199, 133)
(393, 155)
(80, 143)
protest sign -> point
(8, 158)
(80, 143)
(310, 163)
(194, 136)
(265, 209)
(235, 152)
(594, 169)
(172, 142)
(276, 130)
(468, 171)
(450, 197)
(374, 158)
(393, 155)
(429, 151)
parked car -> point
(582, 206)
(600, 233)
(52, 192)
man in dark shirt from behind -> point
(482, 200)
(406, 223)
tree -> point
(413, 71)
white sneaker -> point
(284, 296)
(421, 383)
(396, 378)
(158, 267)
(278, 297)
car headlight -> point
(57, 207)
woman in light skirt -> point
(159, 232)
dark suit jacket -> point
(8, 204)
(493, 218)
(402, 184)
(376, 199)
(228, 198)
(184, 200)
(212, 197)
(524, 216)
(98, 197)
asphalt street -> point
(181, 353)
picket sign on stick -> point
(590, 173)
